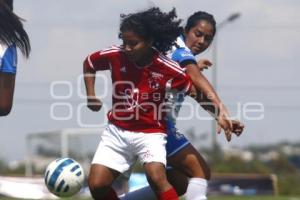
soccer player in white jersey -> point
(183, 158)
(141, 77)
(12, 35)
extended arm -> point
(213, 103)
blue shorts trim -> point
(178, 149)
(175, 142)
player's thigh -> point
(101, 176)
(190, 162)
(150, 148)
(113, 152)
(156, 175)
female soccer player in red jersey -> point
(141, 77)
(12, 35)
(184, 159)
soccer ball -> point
(64, 177)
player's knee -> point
(159, 180)
(97, 187)
(196, 167)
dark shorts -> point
(175, 142)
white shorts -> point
(119, 149)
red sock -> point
(168, 195)
(111, 195)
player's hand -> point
(237, 127)
(203, 64)
(94, 104)
(225, 123)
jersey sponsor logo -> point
(153, 84)
(178, 135)
(154, 80)
(156, 75)
(185, 54)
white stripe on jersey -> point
(90, 62)
(3, 48)
(103, 52)
(173, 63)
(107, 52)
(171, 66)
(110, 50)
(114, 47)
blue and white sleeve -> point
(183, 57)
(8, 60)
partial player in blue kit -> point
(176, 140)
(8, 56)
(12, 36)
(183, 159)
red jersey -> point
(139, 93)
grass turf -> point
(211, 198)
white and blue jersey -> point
(8, 58)
(181, 53)
(175, 140)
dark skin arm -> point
(217, 109)
(93, 103)
(7, 87)
(237, 126)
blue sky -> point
(258, 61)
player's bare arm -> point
(201, 84)
(93, 102)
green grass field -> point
(255, 198)
(215, 198)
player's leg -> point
(157, 179)
(100, 180)
(7, 85)
(177, 147)
(152, 154)
(178, 180)
(112, 158)
(175, 178)
(189, 162)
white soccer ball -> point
(64, 177)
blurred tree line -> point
(286, 167)
(288, 174)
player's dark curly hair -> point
(11, 28)
(154, 24)
(196, 17)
